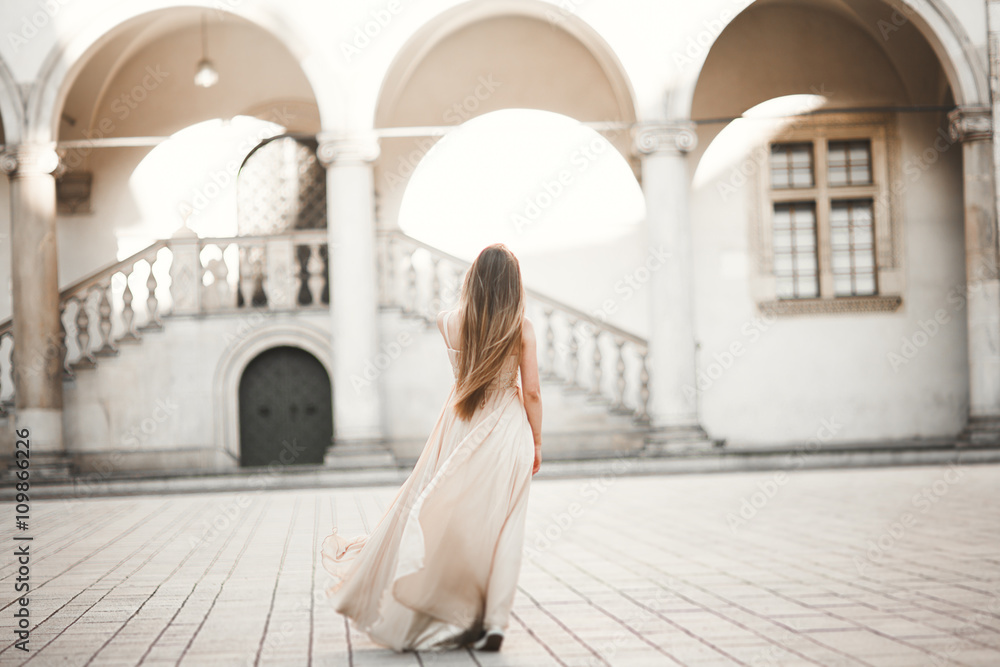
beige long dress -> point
(444, 560)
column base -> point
(57, 466)
(980, 432)
(677, 439)
(45, 429)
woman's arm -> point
(531, 388)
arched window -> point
(281, 187)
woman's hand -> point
(538, 459)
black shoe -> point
(490, 641)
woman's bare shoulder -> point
(527, 331)
(446, 318)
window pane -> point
(864, 285)
(849, 162)
(837, 175)
(802, 178)
(782, 218)
(839, 236)
(806, 263)
(801, 155)
(808, 289)
(782, 240)
(842, 262)
(862, 236)
(792, 165)
(805, 239)
(795, 250)
(860, 151)
(860, 174)
(852, 254)
(780, 178)
(839, 216)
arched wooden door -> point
(286, 411)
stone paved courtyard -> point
(897, 566)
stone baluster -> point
(411, 285)
(227, 295)
(573, 358)
(128, 315)
(595, 390)
(67, 371)
(618, 406)
(316, 269)
(86, 357)
(642, 415)
(107, 347)
(152, 304)
(550, 345)
(435, 303)
(246, 278)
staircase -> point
(186, 276)
(584, 356)
(596, 366)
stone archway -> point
(64, 65)
(260, 338)
(536, 58)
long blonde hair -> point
(492, 305)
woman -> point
(440, 569)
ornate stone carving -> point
(27, 159)
(677, 138)
(970, 124)
(362, 149)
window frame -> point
(880, 130)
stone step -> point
(609, 466)
(981, 431)
(351, 456)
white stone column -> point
(38, 335)
(973, 127)
(673, 401)
(350, 194)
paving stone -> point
(654, 572)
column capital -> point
(970, 124)
(24, 159)
(675, 137)
(349, 149)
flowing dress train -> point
(444, 559)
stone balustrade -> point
(588, 356)
(184, 276)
